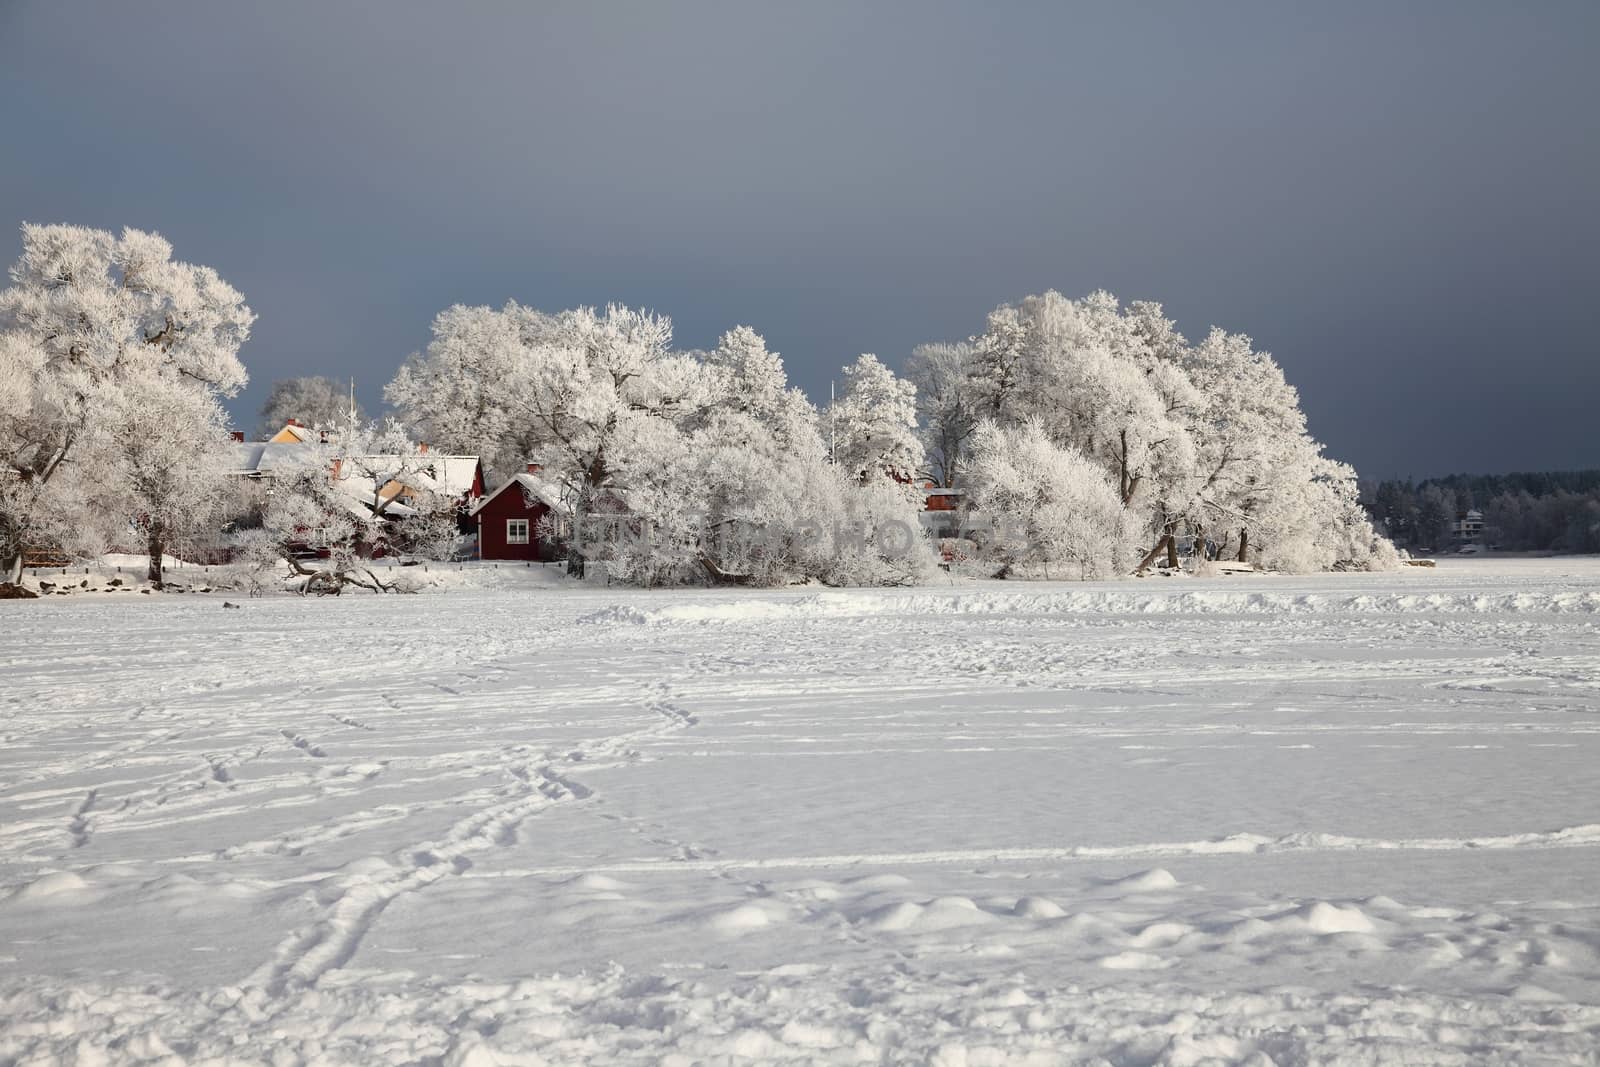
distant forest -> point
(1553, 511)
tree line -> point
(1087, 436)
(1547, 511)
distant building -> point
(1467, 529)
(391, 486)
(942, 510)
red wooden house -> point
(508, 519)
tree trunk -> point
(722, 577)
(1172, 552)
(1165, 541)
(1244, 545)
(10, 553)
(1122, 470)
(157, 549)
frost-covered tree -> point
(874, 423)
(1082, 370)
(307, 510)
(1049, 504)
(166, 465)
(673, 466)
(947, 405)
(1003, 367)
(1205, 440)
(86, 311)
(459, 394)
(312, 401)
(1250, 436)
(755, 448)
(602, 394)
(874, 536)
(1314, 521)
(738, 488)
(581, 391)
(377, 465)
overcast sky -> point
(1400, 202)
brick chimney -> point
(237, 435)
(535, 468)
(294, 422)
(422, 449)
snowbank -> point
(1218, 602)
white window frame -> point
(517, 531)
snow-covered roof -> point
(455, 474)
(541, 489)
(445, 475)
(262, 458)
(449, 476)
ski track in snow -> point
(1265, 821)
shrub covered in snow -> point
(1051, 504)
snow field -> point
(1349, 819)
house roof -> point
(263, 458)
(437, 473)
(293, 433)
(541, 489)
(455, 474)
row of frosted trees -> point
(1088, 438)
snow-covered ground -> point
(1352, 818)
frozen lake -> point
(1351, 818)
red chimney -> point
(535, 468)
(237, 435)
(294, 422)
(422, 449)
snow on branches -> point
(672, 466)
(1094, 433)
(93, 328)
(1204, 445)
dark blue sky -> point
(1401, 202)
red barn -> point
(508, 519)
